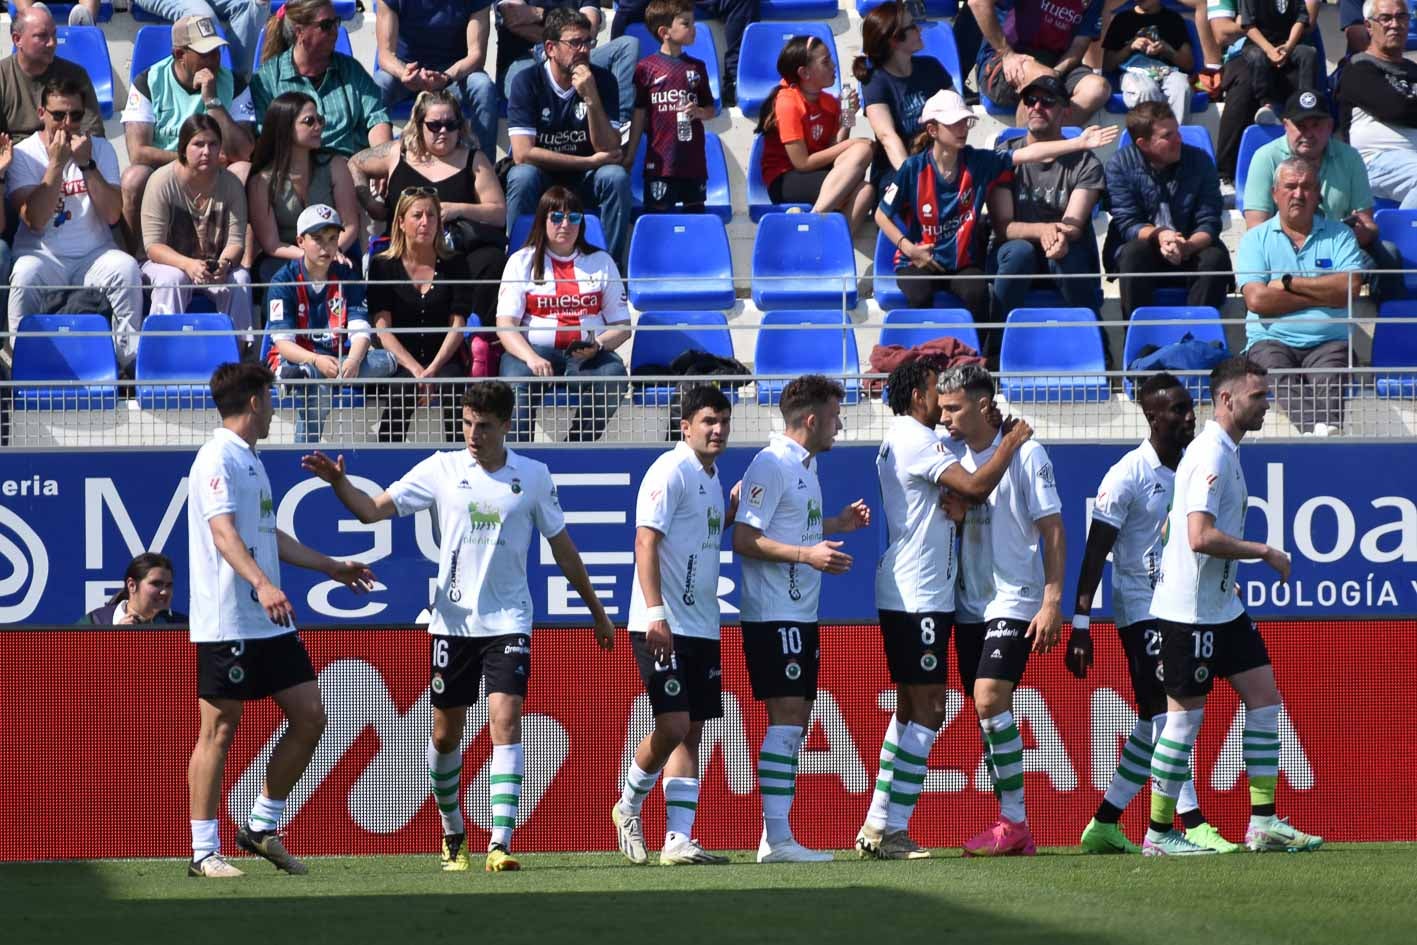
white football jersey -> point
(916, 573)
(683, 502)
(227, 477)
(1001, 567)
(1134, 498)
(782, 499)
(1195, 588)
(485, 525)
(576, 299)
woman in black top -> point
(415, 283)
(145, 598)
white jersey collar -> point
(1222, 436)
(222, 433)
(689, 454)
(795, 451)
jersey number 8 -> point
(927, 630)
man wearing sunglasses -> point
(1378, 100)
(244, 21)
(24, 74)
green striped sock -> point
(505, 787)
(444, 772)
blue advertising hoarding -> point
(71, 521)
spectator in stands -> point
(895, 82)
(1298, 299)
(940, 192)
(191, 81)
(299, 56)
(82, 13)
(1043, 221)
(416, 283)
(144, 598)
(64, 184)
(1035, 37)
(25, 73)
(1278, 60)
(244, 19)
(1354, 20)
(561, 132)
(735, 15)
(667, 84)
(194, 228)
(1241, 101)
(433, 45)
(320, 291)
(1150, 45)
(7, 155)
(1378, 93)
(809, 155)
(438, 151)
(570, 297)
(521, 33)
(1166, 214)
(290, 172)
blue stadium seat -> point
(87, 358)
(702, 48)
(759, 201)
(1200, 101)
(594, 233)
(1145, 328)
(1195, 135)
(680, 260)
(939, 40)
(341, 46)
(1395, 346)
(907, 327)
(797, 10)
(720, 196)
(344, 9)
(886, 287)
(185, 357)
(933, 8)
(86, 47)
(803, 260)
(807, 351)
(757, 61)
(1400, 227)
(1071, 344)
(60, 11)
(154, 43)
(698, 331)
(1254, 138)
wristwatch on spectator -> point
(210, 103)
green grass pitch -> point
(1346, 893)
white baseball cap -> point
(945, 107)
(317, 216)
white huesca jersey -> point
(1134, 498)
(916, 573)
(1195, 588)
(782, 499)
(684, 503)
(575, 299)
(1001, 564)
(228, 478)
(485, 522)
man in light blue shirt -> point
(1298, 272)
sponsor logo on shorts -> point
(437, 684)
(519, 647)
(672, 687)
(793, 670)
(1001, 630)
(236, 674)
(929, 661)
(996, 655)
(714, 672)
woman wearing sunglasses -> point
(437, 150)
(933, 212)
(289, 172)
(569, 296)
(417, 283)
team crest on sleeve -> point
(755, 496)
(1210, 482)
(891, 191)
(277, 310)
(216, 486)
(1045, 475)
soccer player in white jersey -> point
(1127, 520)
(1010, 597)
(779, 535)
(243, 623)
(915, 592)
(488, 500)
(1205, 631)
(679, 523)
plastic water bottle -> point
(684, 125)
(848, 114)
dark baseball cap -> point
(1307, 103)
(1049, 85)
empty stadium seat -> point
(60, 11)
(885, 287)
(154, 43)
(1055, 358)
(803, 260)
(797, 9)
(806, 351)
(1400, 227)
(87, 357)
(759, 201)
(696, 331)
(1195, 135)
(186, 357)
(1254, 138)
(680, 261)
(719, 200)
(912, 327)
(1395, 346)
(86, 47)
(757, 61)
(341, 46)
(1146, 328)
(939, 40)
(702, 48)
(594, 233)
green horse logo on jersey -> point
(480, 518)
(814, 514)
(715, 523)
(268, 505)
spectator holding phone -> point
(144, 598)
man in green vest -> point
(191, 81)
